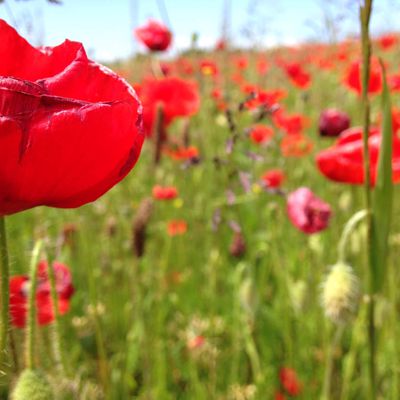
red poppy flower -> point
(220, 45)
(292, 124)
(343, 162)
(164, 193)
(262, 66)
(279, 396)
(68, 126)
(394, 82)
(262, 97)
(386, 42)
(196, 342)
(166, 69)
(241, 63)
(273, 178)
(290, 381)
(184, 66)
(176, 227)
(396, 120)
(261, 134)
(297, 75)
(154, 35)
(307, 212)
(296, 146)
(208, 68)
(182, 153)
(63, 277)
(332, 122)
(178, 97)
(19, 288)
(352, 77)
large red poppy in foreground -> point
(343, 162)
(69, 127)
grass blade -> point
(383, 194)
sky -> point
(105, 26)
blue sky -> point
(105, 26)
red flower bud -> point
(332, 122)
(154, 35)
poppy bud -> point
(340, 293)
(154, 35)
(68, 234)
(111, 226)
(139, 226)
(238, 245)
(32, 385)
(332, 122)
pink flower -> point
(307, 212)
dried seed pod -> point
(68, 234)
(238, 245)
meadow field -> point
(238, 259)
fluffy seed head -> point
(340, 293)
(32, 385)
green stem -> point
(330, 358)
(350, 360)
(347, 231)
(102, 357)
(365, 15)
(5, 295)
(56, 339)
(31, 324)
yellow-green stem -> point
(56, 340)
(102, 357)
(31, 323)
(330, 358)
(5, 295)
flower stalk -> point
(31, 325)
(5, 290)
(57, 342)
(365, 15)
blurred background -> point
(105, 26)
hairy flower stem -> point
(347, 231)
(5, 295)
(365, 15)
(330, 358)
(56, 328)
(31, 325)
